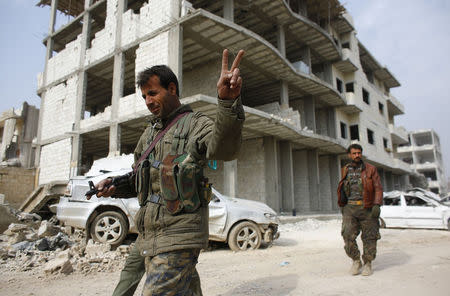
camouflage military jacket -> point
(159, 231)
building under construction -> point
(310, 89)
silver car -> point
(243, 224)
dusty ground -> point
(308, 259)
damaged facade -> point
(310, 88)
(18, 129)
(423, 153)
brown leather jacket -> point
(372, 188)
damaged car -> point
(413, 209)
(242, 224)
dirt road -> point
(308, 259)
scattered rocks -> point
(46, 248)
(47, 229)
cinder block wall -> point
(16, 184)
(55, 161)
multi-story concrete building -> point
(310, 88)
(423, 153)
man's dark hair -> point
(164, 73)
(354, 146)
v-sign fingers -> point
(237, 60)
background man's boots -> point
(367, 269)
(356, 266)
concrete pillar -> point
(325, 188)
(287, 177)
(310, 113)
(382, 178)
(81, 93)
(313, 174)
(117, 83)
(302, 7)
(8, 134)
(271, 198)
(328, 73)
(284, 95)
(175, 56)
(306, 57)
(334, 179)
(331, 123)
(281, 40)
(228, 10)
(230, 178)
(301, 181)
(48, 55)
(389, 181)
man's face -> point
(355, 155)
(159, 101)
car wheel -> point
(244, 236)
(109, 227)
(382, 223)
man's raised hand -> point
(230, 82)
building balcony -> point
(399, 134)
(402, 166)
(353, 104)
(348, 63)
(425, 166)
(433, 184)
(394, 106)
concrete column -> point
(287, 177)
(331, 123)
(310, 113)
(175, 56)
(328, 73)
(302, 7)
(48, 55)
(325, 188)
(382, 178)
(301, 181)
(8, 134)
(81, 93)
(284, 95)
(313, 173)
(117, 83)
(389, 181)
(228, 10)
(306, 57)
(334, 179)
(230, 178)
(271, 198)
(281, 40)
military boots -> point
(367, 269)
(356, 266)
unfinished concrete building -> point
(423, 153)
(310, 88)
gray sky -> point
(411, 37)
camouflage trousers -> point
(172, 274)
(356, 219)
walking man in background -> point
(360, 195)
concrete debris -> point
(47, 229)
(46, 248)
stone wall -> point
(16, 184)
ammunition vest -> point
(183, 185)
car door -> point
(422, 213)
(393, 211)
(217, 216)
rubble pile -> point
(42, 246)
(307, 225)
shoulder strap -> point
(156, 140)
